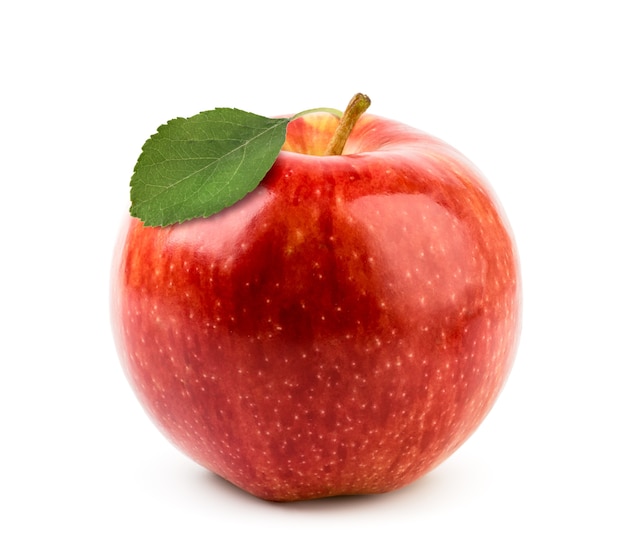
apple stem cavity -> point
(332, 111)
(357, 106)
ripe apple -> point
(341, 330)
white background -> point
(533, 92)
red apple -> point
(341, 330)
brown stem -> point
(357, 106)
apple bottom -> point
(321, 425)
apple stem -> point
(357, 106)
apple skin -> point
(341, 330)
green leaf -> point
(198, 166)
